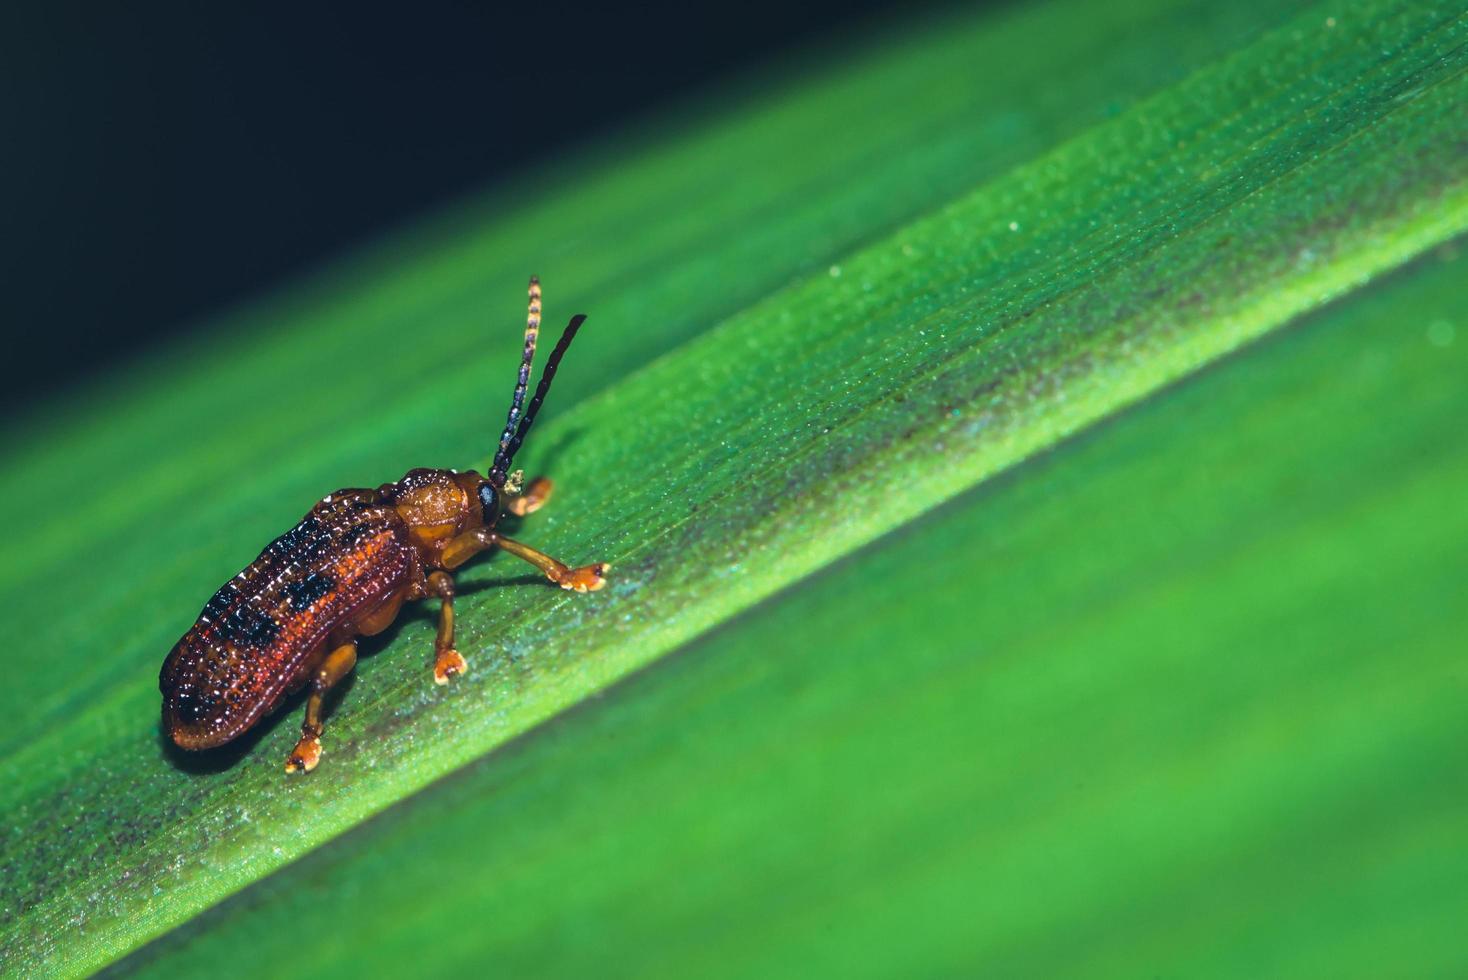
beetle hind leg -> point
(334, 666)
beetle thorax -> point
(434, 504)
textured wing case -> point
(256, 635)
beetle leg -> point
(460, 549)
(536, 493)
(587, 578)
(447, 662)
(334, 666)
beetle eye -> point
(489, 500)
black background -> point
(162, 162)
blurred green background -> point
(1027, 440)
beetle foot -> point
(587, 578)
(449, 664)
(305, 755)
(530, 499)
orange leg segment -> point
(447, 662)
(587, 578)
(534, 497)
(334, 666)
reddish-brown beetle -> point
(292, 617)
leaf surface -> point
(1221, 738)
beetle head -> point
(489, 498)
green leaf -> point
(845, 299)
(1222, 737)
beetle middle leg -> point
(334, 666)
(447, 661)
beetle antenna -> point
(508, 449)
(532, 334)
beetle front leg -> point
(587, 578)
(534, 497)
(447, 662)
(334, 666)
(466, 546)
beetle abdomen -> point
(256, 637)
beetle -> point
(291, 619)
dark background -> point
(162, 162)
